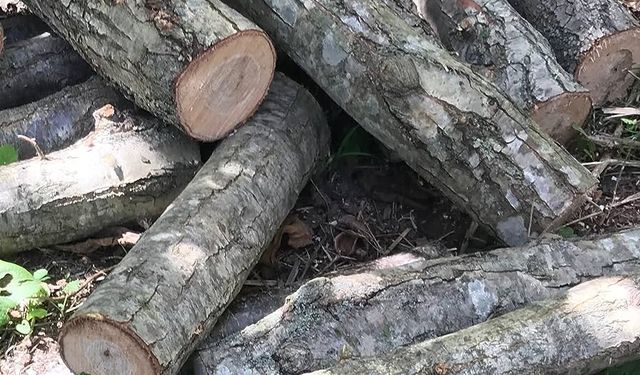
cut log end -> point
(604, 69)
(97, 345)
(560, 115)
(225, 85)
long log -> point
(196, 257)
(37, 67)
(369, 313)
(596, 40)
(593, 326)
(500, 44)
(196, 64)
(58, 120)
(386, 69)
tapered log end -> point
(560, 115)
(604, 69)
(98, 346)
(225, 85)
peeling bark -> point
(596, 40)
(37, 67)
(197, 255)
(366, 314)
(196, 64)
(501, 45)
(386, 69)
(129, 168)
(58, 120)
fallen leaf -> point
(299, 233)
(354, 224)
(345, 243)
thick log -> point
(57, 120)
(596, 40)
(37, 67)
(22, 27)
(505, 48)
(386, 69)
(129, 168)
(199, 252)
(594, 326)
(197, 64)
(366, 314)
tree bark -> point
(197, 64)
(129, 168)
(593, 326)
(21, 27)
(370, 313)
(57, 120)
(37, 67)
(501, 45)
(596, 40)
(387, 70)
(198, 254)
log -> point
(37, 67)
(505, 48)
(370, 313)
(598, 41)
(197, 64)
(21, 27)
(387, 70)
(58, 120)
(197, 255)
(130, 168)
(594, 326)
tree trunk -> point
(197, 64)
(593, 326)
(129, 168)
(57, 120)
(369, 313)
(37, 67)
(197, 255)
(505, 48)
(596, 40)
(18, 28)
(448, 123)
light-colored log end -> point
(225, 85)
(559, 115)
(98, 346)
(604, 69)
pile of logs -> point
(478, 97)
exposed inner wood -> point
(560, 113)
(89, 345)
(225, 85)
(604, 69)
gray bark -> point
(501, 45)
(57, 120)
(370, 313)
(386, 69)
(593, 326)
(22, 27)
(147, 48)
(596, 40)
(37, 67)
(129, 168)
(168, 292)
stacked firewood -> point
(478, 97)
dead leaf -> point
(354, 224)
(345, 243)
(299, 235)
(621, 112)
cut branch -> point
(196, 64)
(200, 251)
(372, 312)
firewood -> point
(387, 70)
(596, 40)
(197, 64)
(37, 67)
(373, 312)
(131, 167)
(594, 326)
(58, 120)
(505, 48)
(168, 292)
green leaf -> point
(8, 154)
(18, 287)
(566, 232)
(24, 327)
(72, 287)
(36, 313)
(40, 274)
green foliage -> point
(630, 127)
(22, 291)
(71, 287)
(8, 154)
(587, 148)
(357, 142)
(566, 232)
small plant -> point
(8, 154)
(21, 296)
(356, 142)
